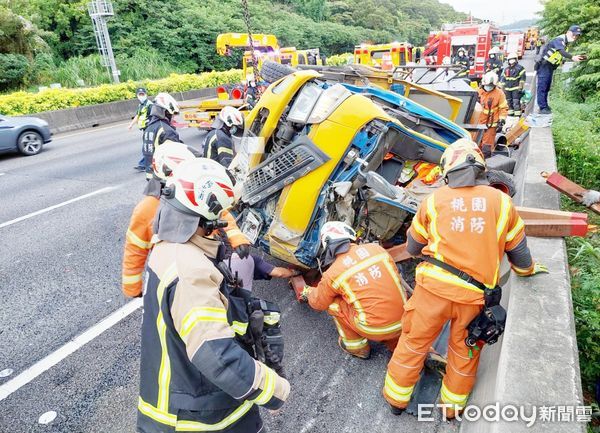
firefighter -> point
(462, 59)
(218, 144)
(159, 128)
(141, 118)
(194, 375)
(494, 110)
(553, 55)
(468, 226)
(360, 289)
(138, 240)
(513, 84)
(493, 63)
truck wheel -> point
(30, 143)
(272, 71)
(502, 181)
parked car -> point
(26, 135)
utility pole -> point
(100, 11)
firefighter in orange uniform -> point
(138, 240)
(495, 110)
(360, 289)
(465, 226)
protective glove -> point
(539, 268)
(242, 251)
(304, 294)
(590, 197)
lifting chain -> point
(257, 79)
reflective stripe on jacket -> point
(556, 51)
(143, 112)
(194, 376)
(219, 146)
(469, 228)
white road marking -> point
(2, 174)
(56, 206)
(59, 136)
(76, 343)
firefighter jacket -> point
(494, 107)
(218, 145)
(556, 51)
(365, 278)
(194, 375)
(513, 78)
(138, 242)
(158, 130)
(469, 228)
(142, 113)
(494, 64)
(464, 63)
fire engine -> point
(476, 37)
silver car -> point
(26, 135)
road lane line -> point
(2, 174)
(76, 343)
(88, 130)
(56, 206)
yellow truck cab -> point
(266, 47)
(383, 56)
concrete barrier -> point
(89, 116)
(536, 363)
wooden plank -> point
(555, 228)
(549, 214)
(569, 188)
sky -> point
(501, 12)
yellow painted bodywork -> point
(400, 54)
(297, 201)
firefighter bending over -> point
(360, 289)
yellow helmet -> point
(461, 153)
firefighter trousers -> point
(513, 98)
(544, 82)
(424, 317)
(357, 340)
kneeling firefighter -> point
(195, 375)
(360, 289)
(462, 231)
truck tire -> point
(272, 71)
(502, 181)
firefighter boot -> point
(360, 348)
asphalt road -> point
(60, 275)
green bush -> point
(576, 131)
(340, 59)
(55, 99)
(14, 69)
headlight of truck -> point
(329, 100)
(305, 101)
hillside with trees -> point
(43, 41)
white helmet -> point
(166, 101)
(169, 155)
(512, 56)
(201, 187)
(489, 78)
(494, 50)
(232, 117)
(336, 230)
(462, 49)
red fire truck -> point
(476, 37)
